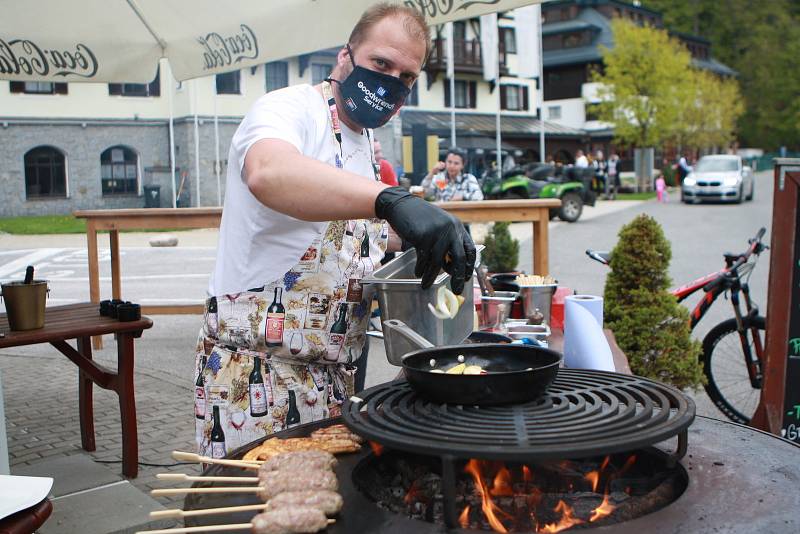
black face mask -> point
(370, 98)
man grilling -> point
(305, 220)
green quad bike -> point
(537, 180)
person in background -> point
(661, 190)
(448, 181)
(386, 170)
(612, 168)
(683, 169)
(600, 167)
(580, 159)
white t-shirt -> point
(257, 245)
(582, 162)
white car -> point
(720, 177)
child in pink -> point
(661, 189)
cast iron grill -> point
(584, 413)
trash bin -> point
(152, 196)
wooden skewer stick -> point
(210, 528)
(178, 513)
(191, 457)
(181, 477)
(229, 489)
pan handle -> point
(399, 327)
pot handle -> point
(399, 327)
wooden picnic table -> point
(80, 322)
(535, 211)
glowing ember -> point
(463, 519)
(377, 448)
(526, 474)
(567, 519)
(502, 484)
(411, 496)
(603, 510)
(487, 505)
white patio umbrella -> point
(123, 40)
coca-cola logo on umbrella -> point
(25, 57)
(221, 51)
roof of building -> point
(483, 123)
(589, 18)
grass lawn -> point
(644, 195)
(52, 224)
(45, 224)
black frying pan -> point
(515, 373)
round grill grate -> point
(584, 413)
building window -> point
(459, 30)
(572, 40)
(508, 37)
(514, 97)
(320, 71)
(119, 171)
(277, 74)
(136, 89)
(466, 94)
(38, 88)
(553, 112)
(229, 83)
(45, 173)
(413, 97)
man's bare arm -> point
(283, 179)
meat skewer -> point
(181, 477)
(299, 461)
(191, 457)
(271, 484)
(299, 520)
(329, 502)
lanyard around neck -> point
(336, 129)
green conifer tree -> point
(501, 254)
(649, 324)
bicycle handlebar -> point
(755, 246)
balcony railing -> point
(467, 53)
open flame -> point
(567, 519)
(487, 504)
(494, 484)
(603, 510)
(463, 519)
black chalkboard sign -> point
(790, 429)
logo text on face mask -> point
(22, 56)
(375, 101)
(222, 51)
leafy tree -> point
(640, 91)
(761, 41)
(649, 324)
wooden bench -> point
(81, 322)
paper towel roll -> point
(585, 344)
(590, 303)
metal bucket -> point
(25, 304)
(401, 297)
(540, 297)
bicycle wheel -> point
(724, 365)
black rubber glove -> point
(440, 239)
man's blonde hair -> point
(413, 22)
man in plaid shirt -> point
(447, 181)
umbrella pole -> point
(170, 87)
(216, 144)
(196, 143)
(540, 85)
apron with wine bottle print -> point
(282, 355)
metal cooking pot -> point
(515, 373)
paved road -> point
(699, 234)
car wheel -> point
(740, 196)
(752, 191)
(571, 207)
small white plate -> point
(19, 493)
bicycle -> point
(734, 370)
